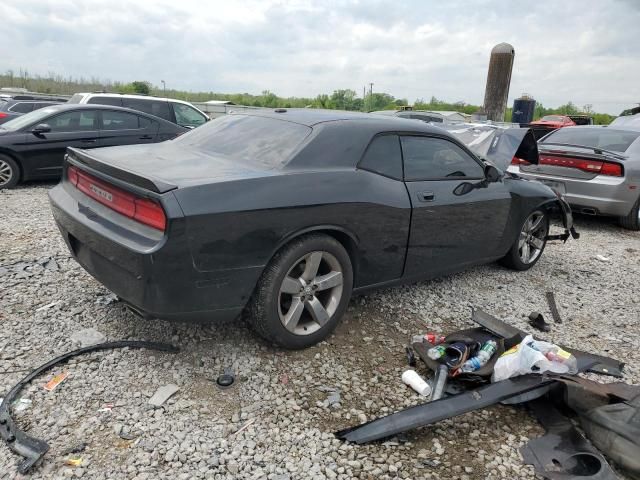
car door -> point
(450, 226)
(125, 128)
(44, 152)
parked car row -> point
(33, 145)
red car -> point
(554, 121)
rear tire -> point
(9, 172)
(631, 221)
(302, 293)
(528, 247)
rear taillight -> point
(519, 161)
(591, 166)
(3, 115)
(140, 209)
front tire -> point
(9, 172)
(528, 247)
(631, 221)
(303, 292)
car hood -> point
(165, 166)
(497, 144)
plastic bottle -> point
(434, 338)
(558, 355)
(436, 352)
(481, 359)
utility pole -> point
(164, 87)
(364, 97)
(370, 95)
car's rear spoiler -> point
(88, 158)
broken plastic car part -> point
(448, 407)
(563, 453)
(32, 449)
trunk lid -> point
(163, 167)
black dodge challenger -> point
(284, 214)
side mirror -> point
(492, 174)
(41, 128)
(463, 188)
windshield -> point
(598, 137)
(28, 119)
(258, 140)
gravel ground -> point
(284, 402)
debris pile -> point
(479, 367)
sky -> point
(584, 51)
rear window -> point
(258, 140)
(614, 140)
(159, 108)
(77, 98)
(113, 101)
(21, 107)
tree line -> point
(345, 99)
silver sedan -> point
(595, 168)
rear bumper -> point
(155, 276)
(601, 195)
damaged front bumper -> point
(567, 222)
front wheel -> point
(631, 221)
(303, 292)
(528, 247)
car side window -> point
(187, 116)
(77, 121)
(21, 107)
(113, 101)
(431, 158)
(146, 123)
(383, 156)
(112, 120)
(158, 108)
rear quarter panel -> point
(241, 224)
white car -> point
(175, 111)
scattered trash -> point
(602, 258)
(533, 356)
(31, 448)
(482, 357)
(21, 405)
(553, 307)
(226, 379)
(163, 394)
(411, 357)
(434, 338)
(52, 384)
(107, 407)
(415, 381)
(87, 336)
(48, 305)
(73, 461)
(478, 393)
(536, 320)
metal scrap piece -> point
(553, 307)
(444, 408)
(32, 449)
(563, 453)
